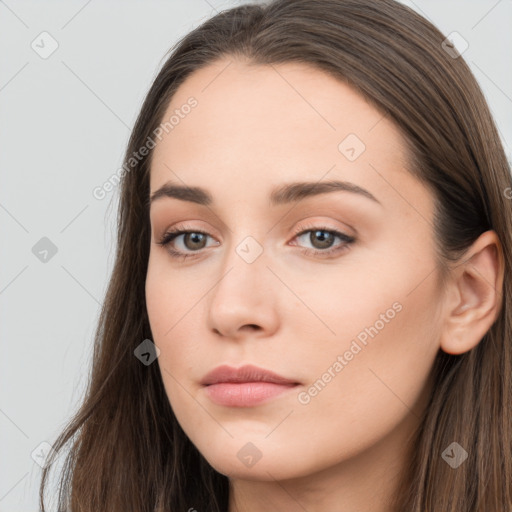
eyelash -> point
(170, 235)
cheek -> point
(383, 358)
(169, 299)
(172, 307)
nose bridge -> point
(244, 269)
(243, 294)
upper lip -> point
(246, 373)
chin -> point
(237, 464)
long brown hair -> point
(127, 451)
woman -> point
(310, 304)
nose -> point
(245, 298)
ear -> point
(474, 295)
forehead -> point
(263, 125)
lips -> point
(246, 373)
(247, 386)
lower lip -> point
(245, 394)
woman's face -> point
(272, 283)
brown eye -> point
(194, 240)
(323, 239)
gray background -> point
(64, 125)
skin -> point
(254, 128)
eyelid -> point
(187, 226)
(320, 224)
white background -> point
(64, 125)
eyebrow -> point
(283, 194)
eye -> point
(193, 240)
(322, 239)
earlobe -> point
(474, 299)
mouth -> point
(246, 386)
(245, 394)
